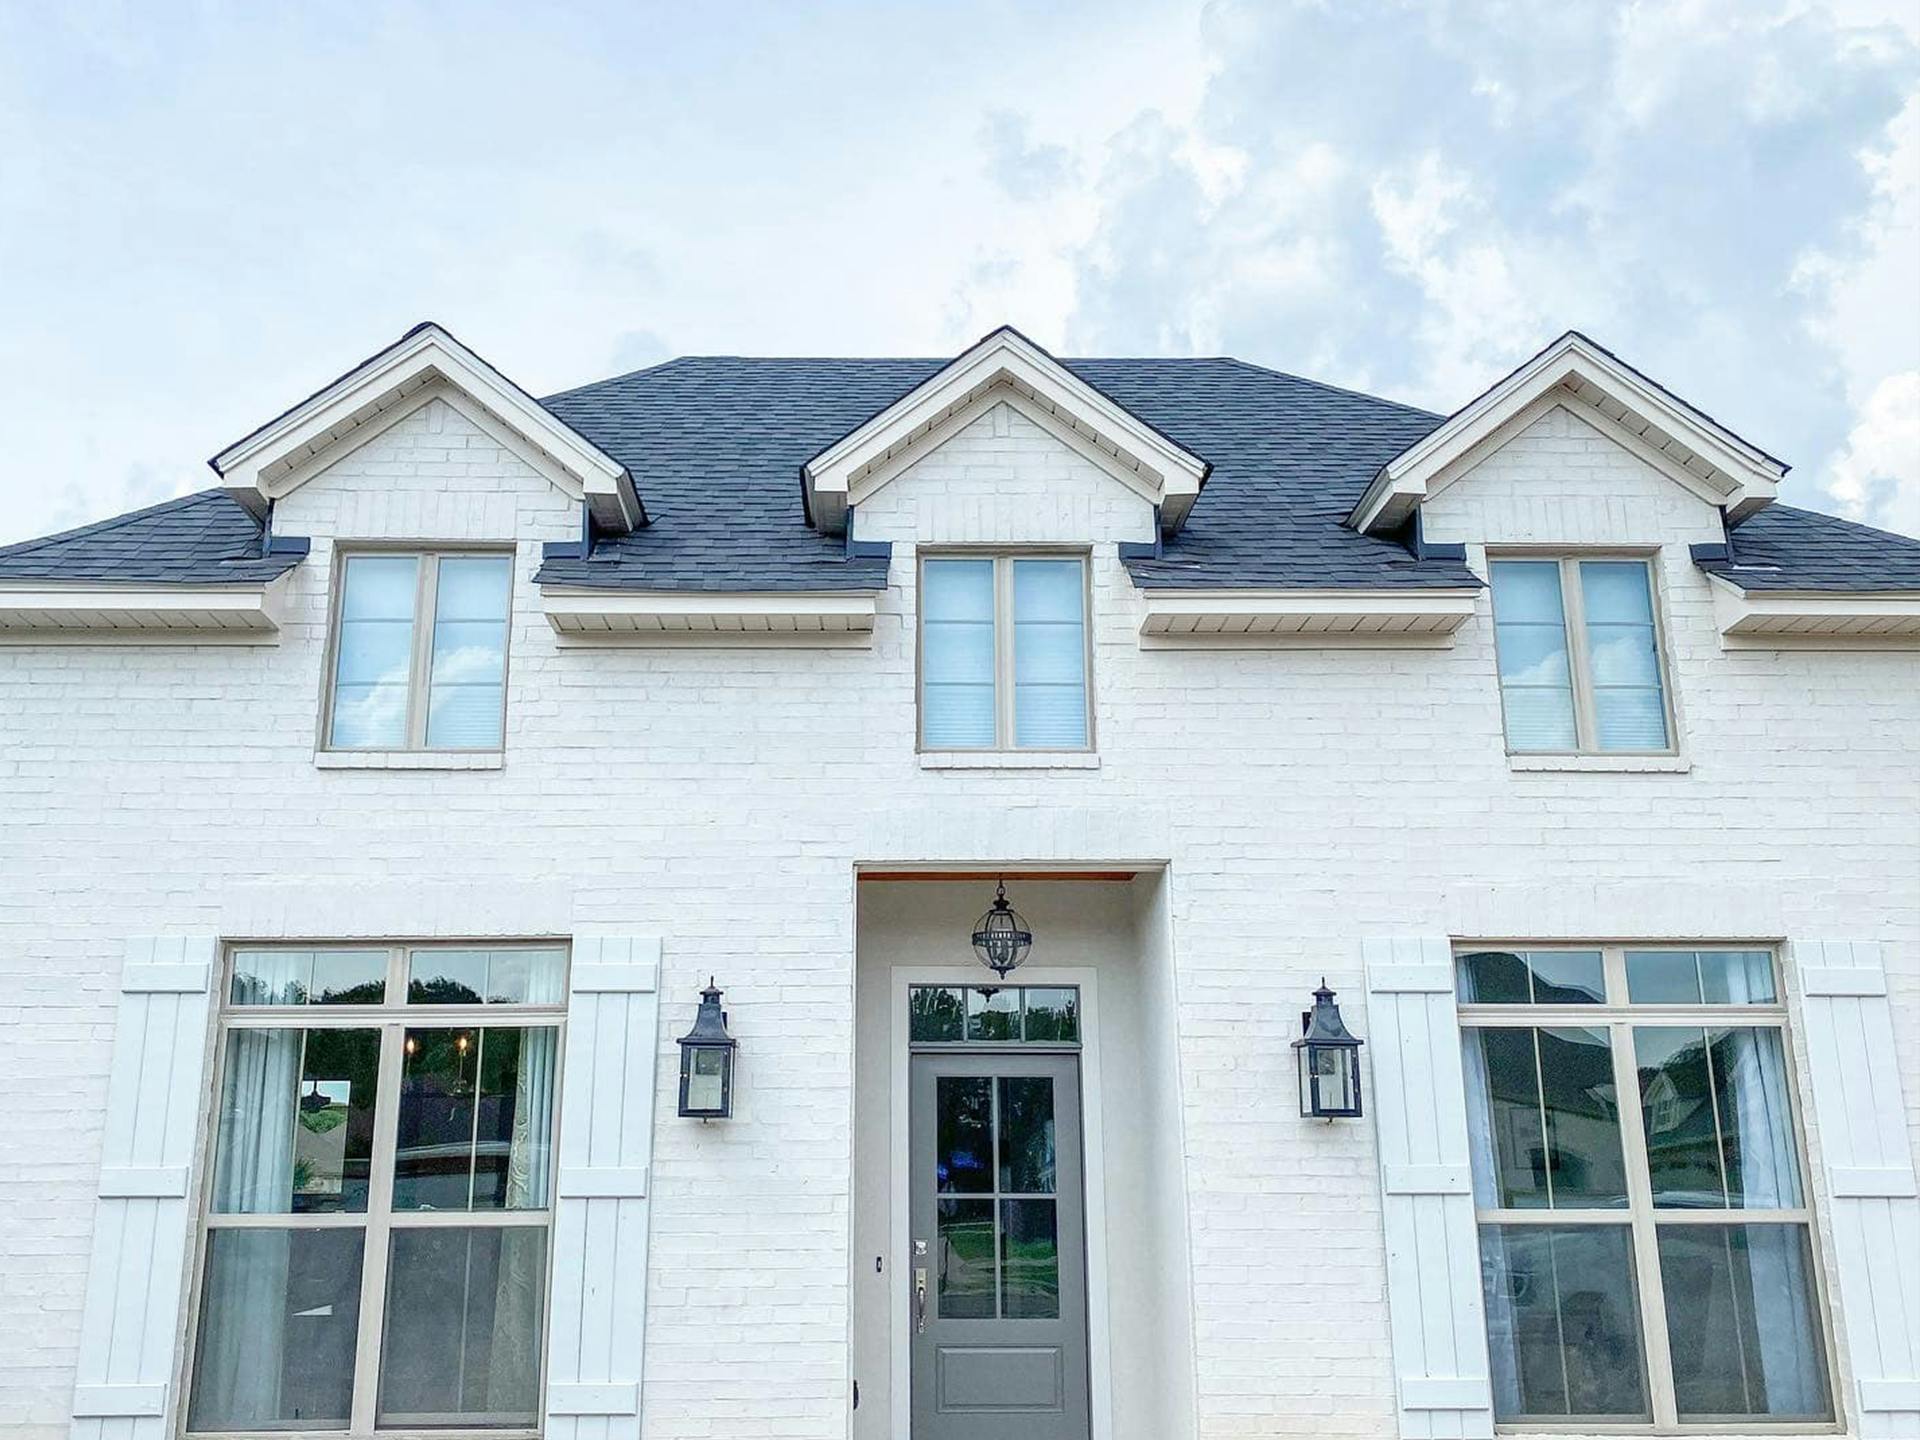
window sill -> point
(408, 759)
(1009, 760)
(1614, 764)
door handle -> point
(920, 1302)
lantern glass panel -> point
(706, 1079)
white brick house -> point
(370, 825)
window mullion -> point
(1573, 614)
(373, 1281)
(1003, 713)
(422, 661)
(1646, 1252)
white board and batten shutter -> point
(599, 1288)
(1435, 1306)
(143, 1218)
(1873, 1211)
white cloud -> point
(1876, 475)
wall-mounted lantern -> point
(1000, 937)
(706, 1061)
(1329, 1061)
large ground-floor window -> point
(1646, 1233)
(379, 1209)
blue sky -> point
(208, 209)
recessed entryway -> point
(1019, 1230)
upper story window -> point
(1003, 653)
(420, 651)
(377, 1220)
(1646, 1235)
(1581, 670)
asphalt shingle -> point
(1783, 548)
(207, 538)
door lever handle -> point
(920, 1301)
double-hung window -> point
(1003, 653)
(420, 651)
(1579, 652)
(381, 1197)
(1646, 1236)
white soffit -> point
(1690, 448)
(1805, 620)
(1008, 363)
(770, 619)
(47, 612)
(1423, 619)
(288, 451)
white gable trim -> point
(424, 363)
(37, 613)
(1006, 362)
(1806, 620)
(1716, 464)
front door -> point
(998, 1255)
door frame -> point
(1093, 1167)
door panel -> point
(999, 1245)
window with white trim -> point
(1580, 657)
(1003, 653)
(1646, 1234)
(380, 1201)
(419, 656)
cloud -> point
(1026, 170)
(1877, 472)
(1421, 195)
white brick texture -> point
(720, 799)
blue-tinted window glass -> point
(374, 651)
(1049, 654)
(1530, 638)
(956, 654)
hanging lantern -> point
(706, 1061)
(1329, 1061)
(1001, 938)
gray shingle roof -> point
(1782, 548)
(207, 538)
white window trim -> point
(1573, 618)
(420, 674)
(950, 756)
(1619, 1018)
(377, 1223)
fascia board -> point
(84, 608)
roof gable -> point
(1686, 445)
(424, 364)
(1003, 367)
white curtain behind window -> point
(513, 1372)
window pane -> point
(492, 977)
(1533, 655)
(957, 717)
(1563, 1322)
(1741, 1322)
(468, 675)
(1629, 719)
(308, 977)
(373, 651)
(1048, 592)
(296, 1121)
(1689, 977)
(367, 717)
(1616, 592)
(964, 1268)
(1493, 977)
(1049, 654)
(1026, 1135)
(956, 654)
(279, 1317)
(1538, 719)
(461, 1344)
(379, 587)
(938, 1013)
(956, 590)
(1629, 710)
(1029, 1260)
(963, 1160)
(993, 1014)
(476, 1119)
(1052, 1014)
(1543, 977)
(473, 588)
(1756, 1120)
(1527, 591)
(1050, 717)
(1718, 1119)
(1623, 655)
(1676, 1108)
(1546, 1128)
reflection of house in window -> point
(320, 1137)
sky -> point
(207, 209)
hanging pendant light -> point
(1001, 938)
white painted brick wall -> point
(719, 798)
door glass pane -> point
(461, 1344)
(956, 654)
(373, 652)
(308, 977)
(939, 1012)
(296, 1121)
(963, 1160)
(279, 1317)
(1052, 1014)
(1563, 1322)
(1741, 1322)
(1029, 1260)
(1026, 1135)
(1718, 1120)
(476, 1117)
(993, 1014)
(1049, 654)
(1547, 1122)
(964, 1269)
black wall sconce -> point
(706, 1061)
(1329, 1061)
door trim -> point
(899, 1308)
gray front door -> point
(998, 1262)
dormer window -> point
(1003, 653)
(1581, 664)
(420, 651)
